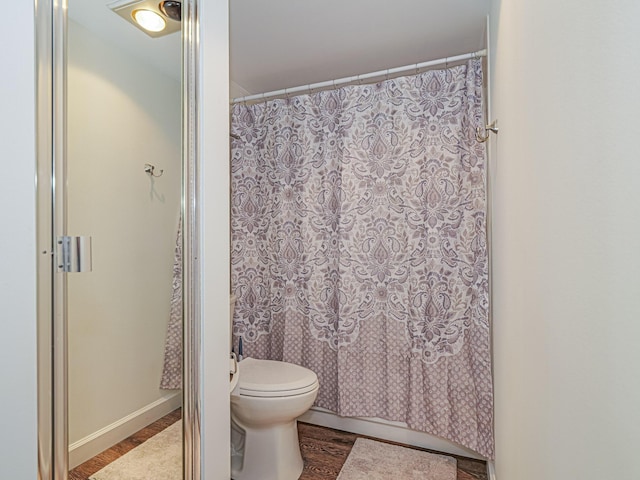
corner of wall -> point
(236, 90)
(214, 167)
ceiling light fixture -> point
(149, 20)
(153, 17)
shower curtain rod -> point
(359, 78)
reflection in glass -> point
(123, 111)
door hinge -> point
(73, 254)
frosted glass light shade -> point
(149, 20)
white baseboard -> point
(491, 470)
(91, 445)
(386, 430)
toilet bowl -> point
(265, 404)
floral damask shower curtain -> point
(359, 248)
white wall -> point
(18, 449)
(214, 157)
(566, 239)
(121, 115)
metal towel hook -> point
(150, 169)
(488, 129)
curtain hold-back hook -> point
(488, 129)
(150, 169)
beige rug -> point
(371, 460)
(159, 458)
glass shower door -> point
(119, 181)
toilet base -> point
(273, 453)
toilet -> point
(267, 399)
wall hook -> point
(150, 169)
(491, 128)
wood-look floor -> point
(91, 466)
(324, 451)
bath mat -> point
(371, 460)
(159, 458)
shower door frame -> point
(53, 446)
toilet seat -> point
(269, 378)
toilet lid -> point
(269, 378)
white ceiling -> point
(285, 43)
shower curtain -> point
(359, 248)
(172, 367)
